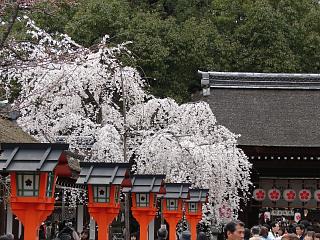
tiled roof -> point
(177, 190)
(260, 80)
(268, 116)
(99, 173)
(147, 183)
(11, 133)
(30, 156)
(198, 195)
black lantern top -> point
(198, 195)
(177, 190)
(30, 157)
(146, 183)
(100, 173)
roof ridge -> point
(262, 74)
(247, 80)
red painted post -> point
(31, 211)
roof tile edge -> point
(247, 80)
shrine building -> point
(278, 118)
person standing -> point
(84, 235)
(290, 236)
(264, 233)
(162, 232)
(48, 230)
(67, 232)
(255, 231)
(202, 236)
(234, 230)
(42, 235)
(273, 234)
(300, 231)
(133, 236)
(309, 235)
(186, 235)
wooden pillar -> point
(2, 206)
(80, 218)
(144, 230)
(103, 213)
(102, 229)
(143, 217)
(172, 229)
(151, 229)
(31, 230)
(193, 227)
(92, 229)
(9, 219)
(173, 217)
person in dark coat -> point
(247, 234)
(300, 231)
(42, 235)
(186, 235)
(162, 233)
(202, 236)
(68, 232)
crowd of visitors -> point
(56, 231)
(234, 230)
(61, 231)
(277, 230)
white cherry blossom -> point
(77, 93)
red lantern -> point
(259, 194)
(174, 196)
(317, 195)
(289, 195)
(194, 209)
(32, 174)
(103, 181)
(274, 194)
(144, 191)
(304, 195)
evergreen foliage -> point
(172, 39)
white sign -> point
(282, 213)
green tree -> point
(96, 18)
(54, 17)
(264, 46)
(310, 50)
(172, 39)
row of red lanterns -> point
(274, 195)
(32, 171)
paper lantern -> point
(297, 217)
(289, 195)
(274, 194)
(259, 194)
(267, 216)
(317, 195)
(304, 195)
